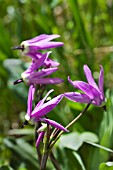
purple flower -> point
(92, 92)
(41, 109)
(41, 42)
(32, 76)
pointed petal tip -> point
(66, 130)
(68, 78)
(85, 66)
(49, 52)
(101, 67)
(50, 91)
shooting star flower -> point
(41, 42)
(41, 109)
(91, 92)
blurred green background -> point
(86, 28)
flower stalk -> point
(45, 150)
(53, 141)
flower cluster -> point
(33, 75)
(37, 73)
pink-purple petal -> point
(43, 37)
(48, 62)
(87, 89)
(101, 81)
(40, 138)
(43, 45)
(41, 102)
(46, 81)
(77, 97)
(35, 65)
(72, 82)
(89, 77)
(51, 63)
(46, 108)
(53, 123)
(42, 73)
(29, 102)
(40, 62)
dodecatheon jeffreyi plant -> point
(41, 109)
(35, 76)
(91, 92)
(41, 42)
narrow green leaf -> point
(99, 146)
(24, 151)
(79, 160)
(5, 168)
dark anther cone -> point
(24, 124)
(104, 107)
(17, 81)
(18, 48)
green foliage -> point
(75, 140)
(5, 168)
(106, 166)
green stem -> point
(54, 161)
(45, 149)
(38, 124)
(69, 125)
(38, 96)
(44, 161)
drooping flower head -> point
(91, 92)
(35, 76)
(41, 109)
(41, 42)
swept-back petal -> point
(48, 62)
(43, 45)
(101, 81)
(42, 73)
(89, 77)
(46, 81)
(51, 63)
(89, 90)
(53, 123)
(29, 102)
(72, 82)
(43, 37)
(41, 60)
(77, 97)
(35, 65)
(41, 102)
(46, 108)
(34, 55)
(40, 137)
